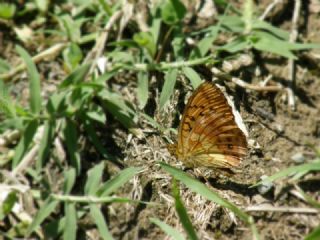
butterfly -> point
(211, 132)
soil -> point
(277, 134)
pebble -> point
(265, 187)
(298, 157)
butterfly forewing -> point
(209, 134)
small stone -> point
(278, 128)
(264, 187)
(298, 157)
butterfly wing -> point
(211, 133)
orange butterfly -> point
(211, 132)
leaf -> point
(93, 137)
(7, 204)
(69, 180)
(172, 12)
(97, 114)
(4, 66)
(182, 213)
(6, 103)
(94, 179)
(314, 166)
(314, 235)
(76, 77)
(99, 220)
(236, 45)
(117, 181)
(145, 40)
(7, 11)
(119, 108)
(25, 142)
(34, 81)
(203, 190)
(45, 144)
(176, 235)
(193, 76)
(72, 56)
(262, 25)
(168, 87)
(71, 139)
(204, 45)
(45, 210)
(142, 90)
(232, 23)
(70, 229)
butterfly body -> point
(211, 133)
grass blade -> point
(203, 190)
(314, 235)
(182, 213)
(46, 209)
(142, 90)
(314, 166)
(168, 87)
(99, 220)
(25, 142)
(45, 145)
(71, 138)
(117, 181)
(175, 234)
(193, 76)
(70, 178)
(70, 229)
(94, 179)
(34, 80)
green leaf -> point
(119, 108)
(45, 210)
(93, 137)
(7, 204)
(168, 87)
(142, 90)
(193, 76)
(175, 234)
(203, 190)
(72, 56)
(236, 45)
(145, 40)
(34, 81)
(117, 181)
(71, 139)
(94, 179)
(77, 76)
(262, 25)
(6, 103)
(264, 41)
(97, 114)
(172, 12)
(45, 145)
(182, 213)
(232, 23)
(314, 166)
(25, 142)
(99, 220)
(4, 66)
(204, 45)
(69, 180)
(314, 235)
(156, 24)
(7, 11)
(70, 229)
